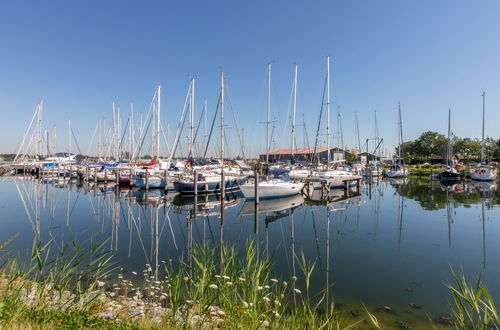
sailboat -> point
(483, 171)
(221, 180)
(150, 176)
(448, 171)
(274, 187)
(398, 170)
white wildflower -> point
(241, 279)
(218, 276)
(225, 277)
(245, 304)
(266, 287)
(229, 283)
(221, 312)
(265, 324)
(276, 314)
(134, 273)
(297, 291)
(274, 280)
(276, 302)
(266, 299)
(259, 288)
(213, 286)
(100, 284)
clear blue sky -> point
(79, 56)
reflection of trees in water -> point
(432, 195)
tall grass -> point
(74, 285)
(57, 279)
(473, 307)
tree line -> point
(466, 149)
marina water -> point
(392, 245)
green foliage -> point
(351, 158)
(432, 143)
(473, 307)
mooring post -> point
(222, 185)
(195, 182)
(256, 181)
(95, 175)
(117, 175)
(147, 179)
(165, 179)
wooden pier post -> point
(147, 179)
(256, 181)
(195, 182)
(95, 176)
(165, 175)
(222, 185)
(117, 175)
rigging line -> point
(143, 138)
(180, 125)
(212, 126)
(76, 142)
(236, 123)
(166, 140)
(148, 119)
(198, 127)
(93, 136)
(288, 111)
(123, 135)
(319, 124)
(74, 204)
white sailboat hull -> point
(483, 176)
(272, 189)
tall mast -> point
(131, 132)
(114, 132)
(482, 134)
(328, 107)
(38, 143)
(268, 111)
(376, 130)
(69, 137)
(400, 130)
(222, 119)
(158, 123)
(294, 109)
(358, 141)
(205, 121)
(448, 150)
(191, 120)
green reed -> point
(473, 307)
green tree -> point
(430, 143)
(469, 148)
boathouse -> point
(306, 154)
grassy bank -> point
(76, 286)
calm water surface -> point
(391, 246)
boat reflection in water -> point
(484, 186)
(277, 205)
(206, 205)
